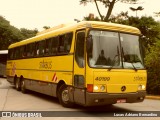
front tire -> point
(63, 96)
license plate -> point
(121, 101)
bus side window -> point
(28, 50)
(21, 52)
(61, 44)
(24, 51)
(68, 42)
(17, 53)
(36, 52)
(47, 46)
(54, 45)
(79, 55)
(32, 49)
(11, 53)
(41, 47)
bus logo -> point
(123, 88)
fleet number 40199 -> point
(102, 78)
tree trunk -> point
(110, 8)
(98, 10)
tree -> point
(157, 14)
(28, 33)
(152, 62)
(140, 8)
(10, 34)
(108, 4)
(91, 17)
(121, 18)
(149, 29)
(46, 27)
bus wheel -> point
(18, 84)
(23, 89)
(63, 96)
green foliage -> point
(149, 29)
(28, 33)
(10, 34)
(152, 61)
(46, 27)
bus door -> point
(79, 68)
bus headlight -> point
(95, 88)
(99, 88)
(102, 88)
(141, 87)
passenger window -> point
(17, 53)
(61, 44)
(54, 45)
(68, 42)
(24, 51)
(32, 49)
(11, 53)
(36, 52)
(79, 55)
(41, 47)
(47, 46)
(65, 43)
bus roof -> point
(3, 52)
(63, 28)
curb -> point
(153, 97)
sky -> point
(34, 14)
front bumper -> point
(96, 99)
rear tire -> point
(23, 88)
(63, 96)
(18, 84)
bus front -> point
(115, 70)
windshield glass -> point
(131, 53)
(104, 50)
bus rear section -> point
(3, 61)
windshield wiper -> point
(134, 66)
(128, 61)
(109, 69)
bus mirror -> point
(142, 37)
(89, 43)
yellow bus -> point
(88, 63)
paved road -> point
(12, 100)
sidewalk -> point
(155, 97)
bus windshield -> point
(114, 50)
